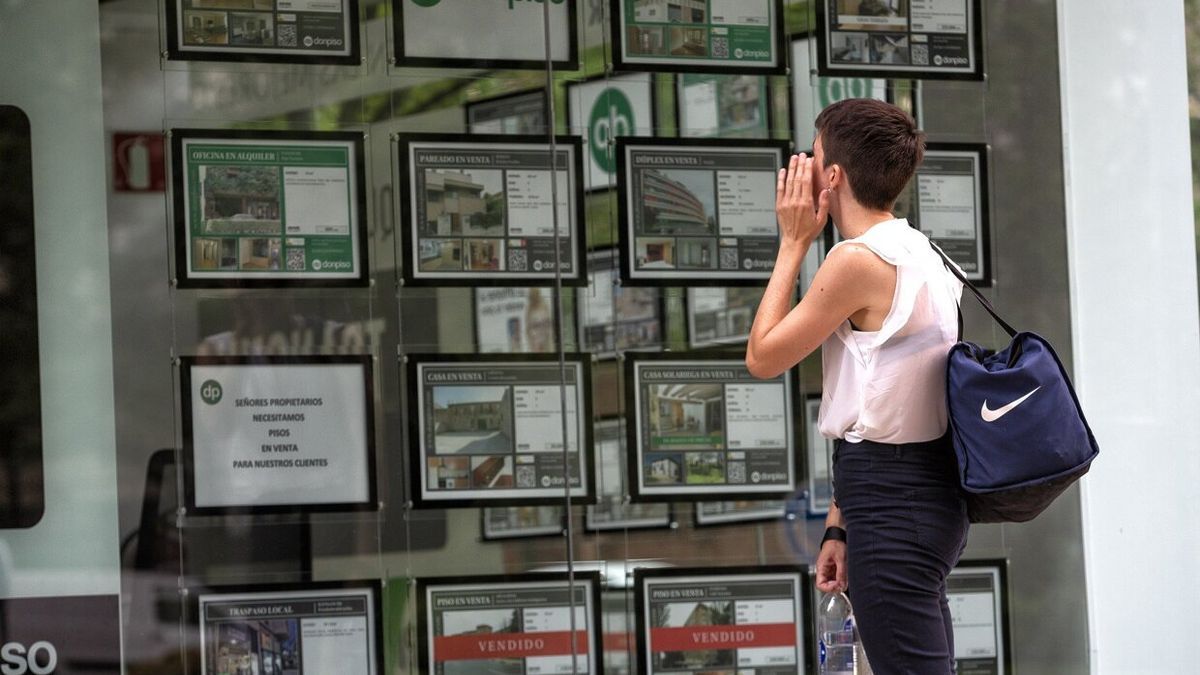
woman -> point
(884, 310)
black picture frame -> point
(907, 71)
(619, 524)
(633, 435)
(186, 363)
(23, 503)
(473, 278)
(984, 278)
(769, 104)
(667, 65)
(591, 577)
(402, 60)
(525, 95)
(806, 626)
(176, 52)
(418, 454)
(626, 242)
(569, 89)
(1000, 567)
(749, 515)
(609, 256)
(193, 623)
(179, 205)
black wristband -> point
(834, 533)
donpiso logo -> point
(211, 392)
(612, 116)
(39, 659)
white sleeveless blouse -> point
(889, 386)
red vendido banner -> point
(507, 645)
(692, 638)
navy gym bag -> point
(1019, 434)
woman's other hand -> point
(831, 567)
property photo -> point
(670, 11)
(655, 253)
(872, 14)
(210, 253)
(472, 420)
(686, 416)
(240, 199)
(678, 201)
(889, 49)
(464, 203)
(684, 614)
(439, 255)
(256, 28)
(848, 47)
(449, 473)
(685, 41)
(740, 102)
(492, 472)
(704, 468)
(485, 255)
(645, 41)
(662, 468)
(260, 253)
(268, 647)
(481, 622)
(696, 253)
(205, 28)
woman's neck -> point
(855, 219)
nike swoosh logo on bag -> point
(989, 415)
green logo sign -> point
(210, 392)
(427, 3)
(612, 116)
(830, 90)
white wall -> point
(50, 53)
(1135, 327)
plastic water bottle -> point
(839, 650)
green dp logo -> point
(830, 90)
(210, 392)
(612, 116)
(426, 3)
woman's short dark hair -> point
(877, 144)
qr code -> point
(518, 260)
(729, 258)
(295, 260)
(526, 476)
(720, 47)
(736, 472)
(286, 34)
(920, 55)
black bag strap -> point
(987, 305)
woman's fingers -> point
(780, 185)
(794, 169)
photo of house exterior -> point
(670, 11)
(671, 206)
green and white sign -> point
(268, 208)
(603, 109)
(484, 33)
(812, 94)
(739, 36)
(278, 434)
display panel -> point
(719, 36)
(727, 106)
(701, 212)
(978, 594)
(811, 94)
(721, 316)
(474, 34)
(509, 624)
(603, 108)
(515, 522)
(951, 206)
(520, 113)
(272, 31)
(705, 428)
(819, 451)
(926, 39)
(488, 429)
(267, 434)
(515, 320)
(268, 208)
(615, 318)
(704, 620)
(307, 629)
(480, 210)
(22, 472)
(723, 513)
(612, 512)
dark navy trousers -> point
(906, 526)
